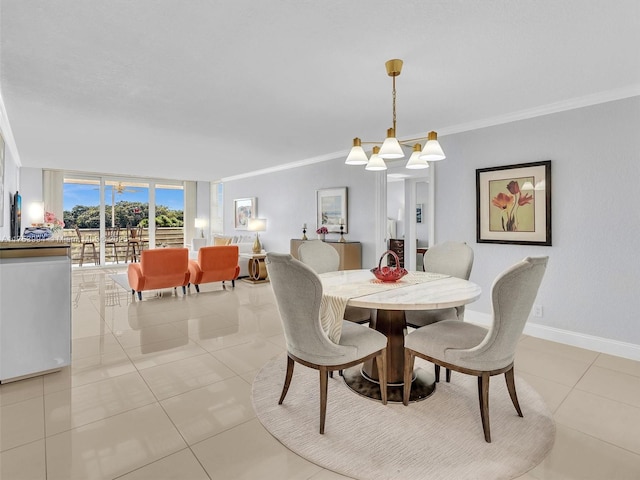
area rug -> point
(438, 438)
(122, 280)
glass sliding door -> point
(126, 219)
(81, 205)
(169, 214)
(117, 217)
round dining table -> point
(416, 291)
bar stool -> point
(134, 244)
(85, 243)
(112, 237)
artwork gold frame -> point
(331, 207)
(514, 204)
(243, 210)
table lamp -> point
(257, 225)
(199, 223)
(36, 213)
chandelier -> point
(392, 148)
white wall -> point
(395, 203)
(287, 199)
(592, 283)
(590, 293)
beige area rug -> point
(438, 438)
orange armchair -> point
(160, 268)
(215, 264)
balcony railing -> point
(165, 236)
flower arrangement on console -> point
(322, 231)
(52, 222)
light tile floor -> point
(162, 389)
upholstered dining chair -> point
(298, 293)
(324, 258)
(450, 258)
(478, 351)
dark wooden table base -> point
(364, 379)
(422, 386)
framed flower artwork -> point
(514, 204)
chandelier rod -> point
(394, 104)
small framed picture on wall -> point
(243, 210)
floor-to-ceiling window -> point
(105, 212)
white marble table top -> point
(434, 294)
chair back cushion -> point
(215, 264)
(164, 261)
(449, 258)
(319, 256)
(220, 257)
(298, 293)
(512, 295)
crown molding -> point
(565, 105)
(557, 107)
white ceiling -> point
(208, 89)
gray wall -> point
(287, 199)
(592, 284)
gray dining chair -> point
(298, 293)
(449, 258)
(324, 258)
(478, 351)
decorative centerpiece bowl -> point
(389, 274)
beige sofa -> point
(245, 245)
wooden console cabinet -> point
(350, 253)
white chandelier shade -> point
(375, 162)
(391, 148)
(416, 161)
(432, 150)
(356, 155)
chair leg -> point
(511, 386)
(409, 359)
(436, 369)
(197, 288)
(324, 383)
(381, 361)
(139, 295)
(331, 374)
(287, 379)
(483, 396)
(82, 254)
(96, 260)
(448, 375)
(233, 283)
(184, 290)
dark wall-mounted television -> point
(16, 216)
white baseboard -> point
(590, 342)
